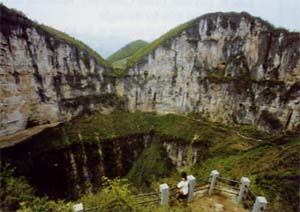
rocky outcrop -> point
(70, 171)
(231, 67)
(45, 79)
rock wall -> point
(232, 67)
(71, 171)
(44, 79)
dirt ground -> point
(215, 203)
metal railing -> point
(209, 184)
(147, 195)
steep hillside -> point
(231, 67)
(46, 75)
(146, 147)
(127, 51)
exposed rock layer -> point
(232, 67)
(44, 79)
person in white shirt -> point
(183, 187)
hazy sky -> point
(107, 25)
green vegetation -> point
(150, 47)
(117, 72)
(119, 59)
(115, 196)
(17, 194)
(152, 165)
(73, 41)
(127, 51)
(273, 170)
(121, 63)
(13, 189)
(97, 127)
(270, 163)
(219, 72)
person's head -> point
(183, 176)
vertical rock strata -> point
(43, 78)
(232, 67)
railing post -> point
(244, 187)
(192, 181)
(214, 175)
(260, 204)
(164, 194)
(78, 207)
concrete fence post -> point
(260, 204)
(192, 182)
(244, 187)
(78, 207)
(214, 175)
(164, 194)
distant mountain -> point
(127, 51)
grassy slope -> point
(272, 170)
(119, 59)
(119, 124)
(61, 36)
(150, 47)
(127, 51)
(73, 41)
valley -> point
(219, 92)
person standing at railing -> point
(183, 188)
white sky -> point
(107, 25)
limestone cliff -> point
(45, 75)
(232, 67)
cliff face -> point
(77, 169)
(43, 78)
(232, 67)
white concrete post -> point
(260, 204)
(78, 207)
(244, 187)
(164, 194)
(192, 181)
(214, 174)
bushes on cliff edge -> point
(152, 165)
(115, 196)
(13, 190)
(17, 195)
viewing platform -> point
(207, 191)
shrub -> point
(13, 189)
(115, 196)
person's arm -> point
(179, 185)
